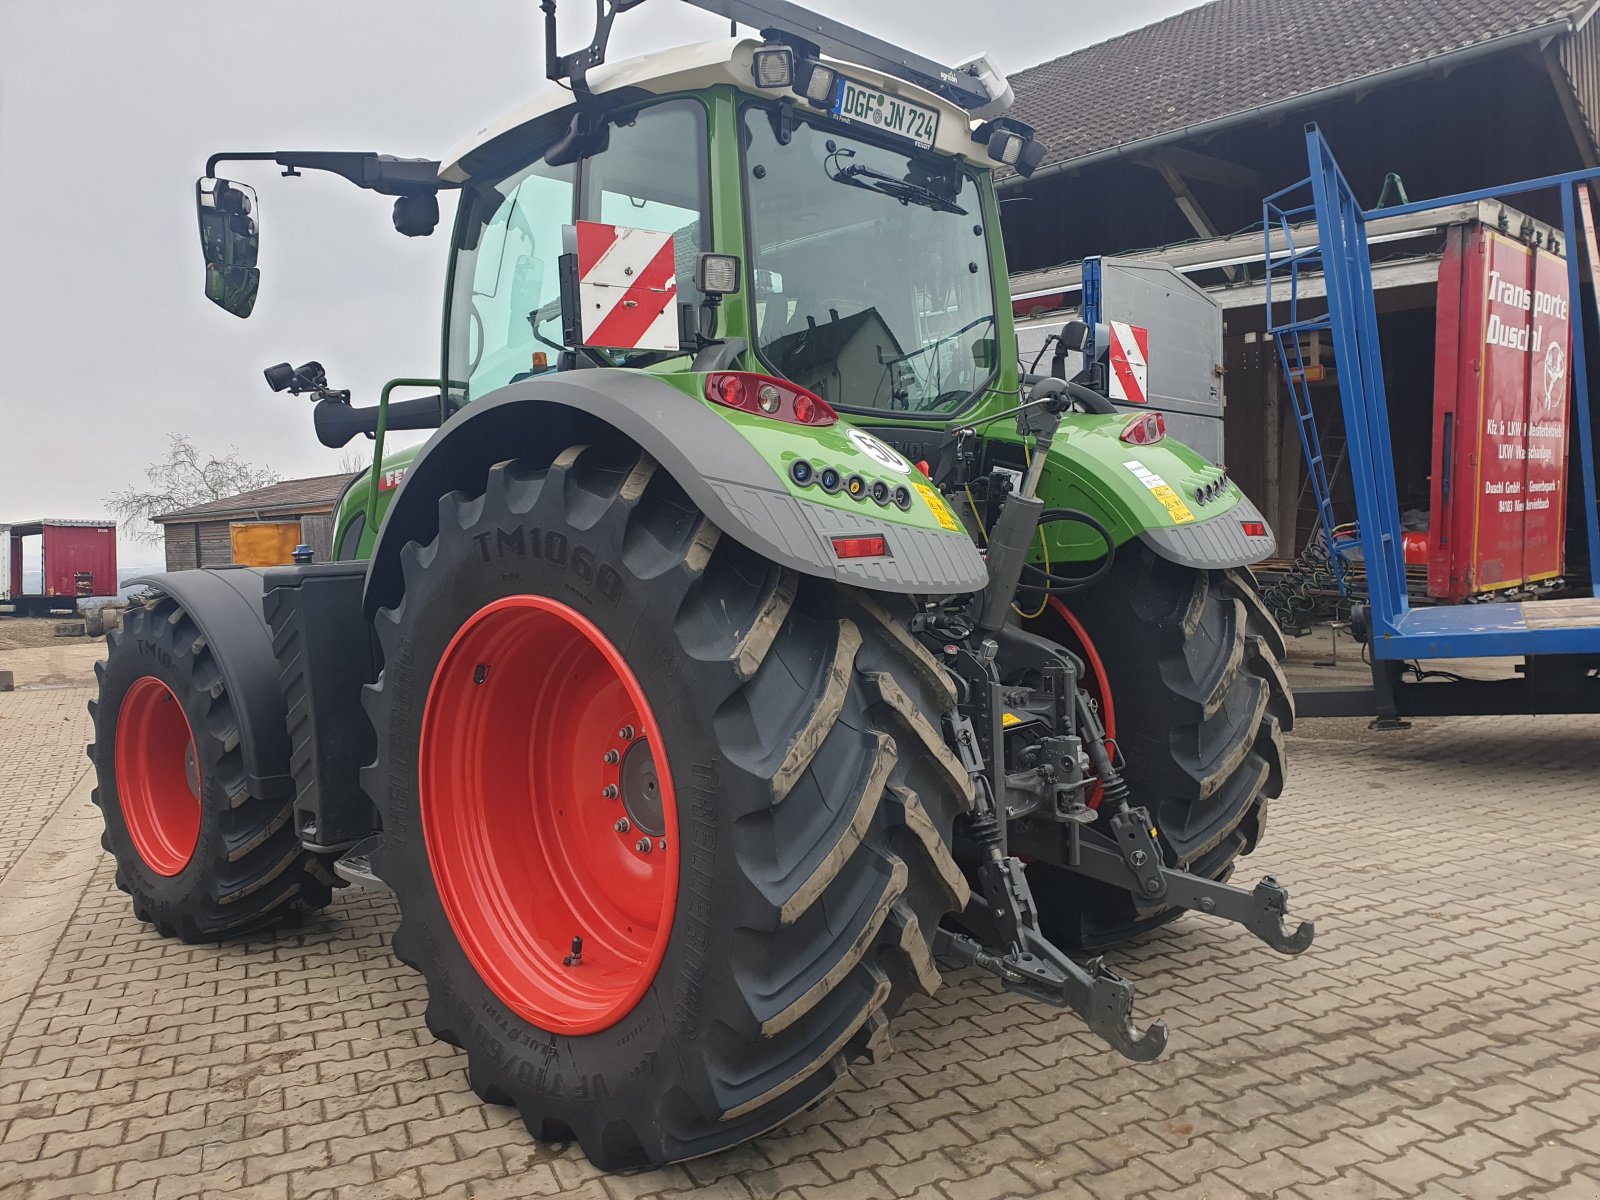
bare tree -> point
(354, 461)
(184, 478)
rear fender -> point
(1165, 494)
(735, 485)
(226, 605)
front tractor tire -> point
(668, 825)
(203, 853)
(1187, 665)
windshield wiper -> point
(873, 180)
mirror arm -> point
(381, 173)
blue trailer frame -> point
(1561, 638)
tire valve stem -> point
(576, 957)
(482, 673)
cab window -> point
(505, 322)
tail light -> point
(868, 546)
(1145, 430)
(1254, 528)
(768, 397)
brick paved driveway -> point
(1442, 1039)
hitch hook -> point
(1271, 906)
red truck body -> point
(1501, 401)
(77, 558)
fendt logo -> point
(389, 480)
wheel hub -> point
(641, 789)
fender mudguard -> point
(226, 605)
(1134, 490)
(726, 477)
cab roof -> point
(703, 65)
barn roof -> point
(1231, 57)
(292, 497)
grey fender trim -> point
(721, 472)
(1215, 543)
(226, 604)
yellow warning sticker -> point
(1173, 503)
(1009, 719)
(941, 510)
(1170, 500)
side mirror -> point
(1075, 336)
(230, 240)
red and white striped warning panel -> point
(1130, 363)
(627, 282)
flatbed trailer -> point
(1558, 640)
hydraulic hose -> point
(1057, 585)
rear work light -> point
(765, 396)
(773, 67)
(816, 83)
(1145, 430)
(874, 546)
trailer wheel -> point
(1190, 660)
(202, 856)
(667, 823)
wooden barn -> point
(258, 529)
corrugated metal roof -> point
(1232, 56)
(291, 496)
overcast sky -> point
(108, 110)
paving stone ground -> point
(1442, 1039)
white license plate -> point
(863, 105)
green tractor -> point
(752, 633)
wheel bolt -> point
(611, 757)
(643, 846)
(626, 733)
(662, 844)
(622, 825)
(609, 791)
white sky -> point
(108, 110)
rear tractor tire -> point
(1188, 665)
(202, 855)
(668, 825)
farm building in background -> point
(1164, 142)
(259, 528)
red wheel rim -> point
(158, 776)
(1098, 684)
(549, 815)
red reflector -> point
(1254, 528)
(922, 465)
(745, 390)
(1145, 430)
(860, 547)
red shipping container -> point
(78, 558)
(1501, 404)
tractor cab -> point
(828, 223)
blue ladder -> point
(1284, 268)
